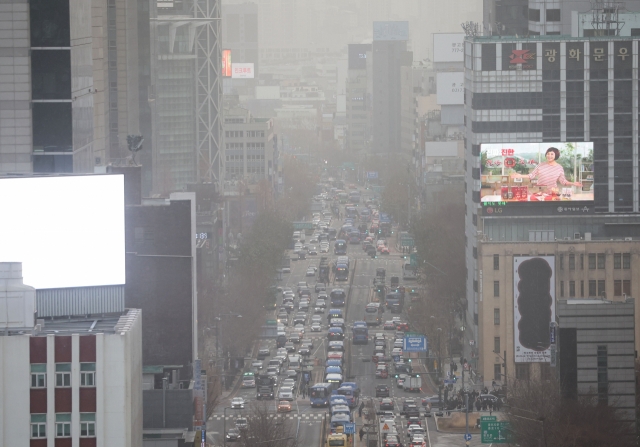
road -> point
(306, 422)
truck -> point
(324, 270)
(413, 383)
(384, 227)
(265, 387)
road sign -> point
(396, 358)
(350, 428)
(415, 344)
(272, 322)
(385, 428)
(467, 436)
(372, 174)
(493, 431)
(449, 382)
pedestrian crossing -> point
(290, 416)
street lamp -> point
(439, 353)
(224, 426)
(219, 319)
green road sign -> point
(493, 431)
(272, 323)
(413, 259)
(303, 226)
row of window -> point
(597, 287)
(597, 261)
(240, 133)
(523, 371)
(241, 157)
(250, 170)
(63, 375)
(240, 146)
(63, 425)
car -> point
(304, 350)
(324, 249)
(319, 287)
(288, 305)
(237, 403)
(284, 406)
(382, 391)
(396, 352)
(316, 319)
(386, 404)
(398, 343)
(300, 318)
(233, 434)
(310, 272)
(389, 326)
(318, 310)
(384, 250)
(289, 382)
(414, 431)
(315, 327)
(320, 302)
(289, 346)
(402, 326)
(431, 400)
(488, 398)
(295, 337)
(299, 327)
(263, 353)
(257, 364)
(392, 441)
(273, 371)
(291, 374)
(285, 393)
(400, 378)
(296, 248)
(381, 372)
(242, 423)
(414, 420)
(313, 251)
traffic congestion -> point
(336, 366)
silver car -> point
(285, 393)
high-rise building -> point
(358, 100)
(528, 102)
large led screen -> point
(534, 297)
(67, 231)
(536, 173)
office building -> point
(358, 98)
(522, 97)
(71, 380)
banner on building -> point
(448, 47)
(226, 63)
(242, 71)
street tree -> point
(267, 429)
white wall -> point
(15, 377)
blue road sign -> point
(396, 358)
(449, 381)
(372, 174)
(415, 344)
(350, 428)
(467, 436)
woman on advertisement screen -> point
(550, 172)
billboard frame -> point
(451, 44)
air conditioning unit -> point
(567, 238)
(628, 238)
(576, 236)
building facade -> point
(68, 381)
(552, 91)
(358, 98)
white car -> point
(396, 351)
(311, 272)
(315, 327)
(257, 364)
(286, 270)
(297, 248)
(316, 319)
(324, 249)
(237, 403)
(285, 393)
(299, 328)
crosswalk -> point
(290, 416)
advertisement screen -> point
(390, 30)
(450, 88)
(448, 47)
(534, 297)
(536, 173)
(242, 71)
(226, 63)
(66, 231)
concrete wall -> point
(14, 391)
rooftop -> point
(551, 38)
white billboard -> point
(242, 70)
(67, 231)
(448, 47)
(534, 307)
(450, 87)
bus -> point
(339, 440)
(340, 247)
(372, 314)
(350, 394)
(360, 333)
(320, 393)
(343, 197)
(409, 272)
(335, 313)
(351, 212)
(354, 196)
(395, 302)
(342, 272)
(338, 297)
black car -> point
(382, 391)
(386, 404)
(233, 434)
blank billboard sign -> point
(533, 307)
(450, 88)
(67, 231)
(448, 47)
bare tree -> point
(538, 415)
(214, 390)
(268, 429)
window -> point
(601, 261)
(592, 261)
(572, 262)
(626, 261)
(63, 425)
(88, 425)
(38, 425)
(496, 344)
(496, 316)
(534, 15)
(38, 375)
(497, 371)
(63, 374)
(572, 288)
(603, 380)
(553, 15)
(496, 262)
(617, 287)
(522, 371)
(496, 288)
(617, 261)
(562, 289)
(582, 288)
(581, 261)
(561, 261)
(626, 287)
(87, 374)
(601, 288)
(592, 287)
